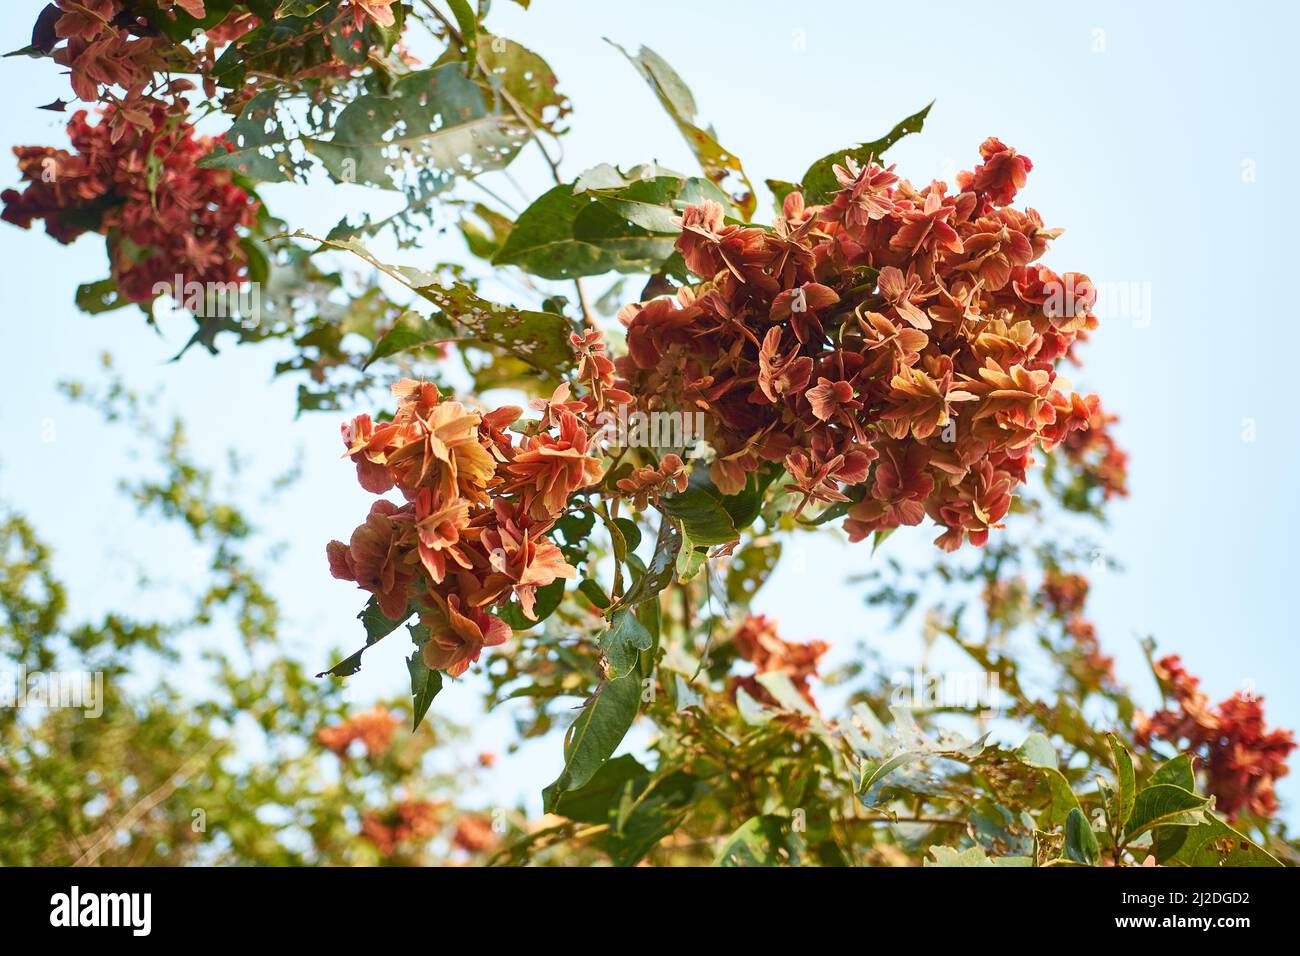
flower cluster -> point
(1242, 758)
(756, 640)
(165, 216)
(1098, 458)
(474, 833)
(479, 501)
(1065, 595)
(375, 729)
(895, 350)
(408, 821)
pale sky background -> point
(1162, 136)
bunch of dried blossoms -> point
(133, 176)
(1241, 757)
(408, 821)
(1065, 595)
(165, 216)
(375, 729)
(895, 350)
(757, 641)
(479, 501)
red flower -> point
(1002, 173)
(757, 641)
(1242, 757)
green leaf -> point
(1212, 843)
(175, 23)
(1164, 805)
(662, 564)
(906, 744)
(425, 684)
(595, 733)
(972, 856)
(1179, 771)
(1037, 751)
(258, 144)
(377, 627)
(1080, 842)
(1125, 785)
(411, 331)
(95, 298)
(541, 339)
(547, 599)
(819, 181)
(722, 167)
(702, 512)
(435, 120)
(579, 230)
(780, 189)
(468, 23)
(594, 593)
(594, 801)
(538, 339)
(623, 641)
(526, 78)
(765, 840)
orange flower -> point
(457, 635)
(548, 468)
(381, 557)
(438, 527)
(646, 483)
(474, 833)
(374, 728)
(378, 10)
(520, 559)
(757, 641)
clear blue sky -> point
(1140, 119)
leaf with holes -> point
(819, 181)
(431, 127)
